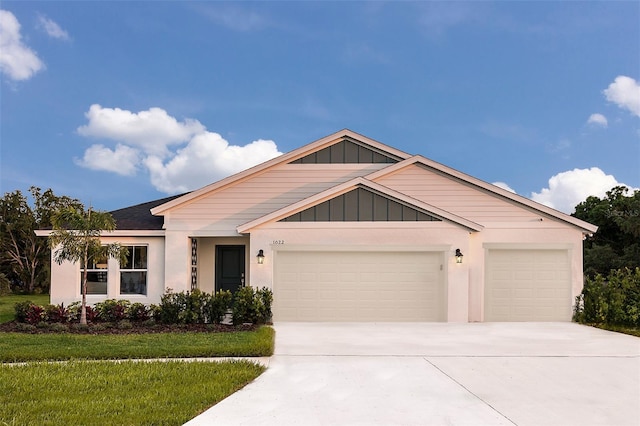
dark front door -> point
(229, 268)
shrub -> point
(248, 306)
(264, 298)
(138, 312)
(25, 328)
(124, 325)
(56, 313)
(155, 312)
(97, 327)
(614, 299)
(217, 306)
(171, 304)
(149, 323)
(58, 327)
(21, 309)
(251, 305)
(183, 308)
(35, 314)
(73, 312)
(193, 311)
(245, 306)
(80, 327)
(112, 310)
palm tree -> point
(76, 238)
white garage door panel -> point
(358, 286)
(528, 285)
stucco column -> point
(458, 292)
(261, 275)
(177, 261)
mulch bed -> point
(130, 328)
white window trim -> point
(121, 270)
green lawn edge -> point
(122, 393)
(632, 331)
(22, 347)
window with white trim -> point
(96, 277)
(133, 275)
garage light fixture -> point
(459, 256)
(260, 257)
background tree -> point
(24, 257)
(616, 244)
(76, 238)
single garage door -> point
(358, 286)
(528, 285)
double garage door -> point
(520, 285)
(528, 285)
(358, 286)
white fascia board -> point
(284, 158)
(116, 233)
(347, 186)
(584, 226)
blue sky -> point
(118, 103)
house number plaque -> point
(277, 242)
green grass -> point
(119, 393)
(633, 331)
(16, 347)
(108, 393)
(7, 303)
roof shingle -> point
(139, 217)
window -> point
(96, 277)
(133, 275)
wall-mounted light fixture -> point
(260, 257)
(459, 256)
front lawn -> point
(633, 331)
(123, 393)
(7, 304)
(16, 347)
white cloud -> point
(123, 160)
(152, 130)
(179, 156)
(567, 189)
(52, 28)
(598, 120)
(624, 92)
(235, 17)
(206, 159)
(17, 60)
(503, 185)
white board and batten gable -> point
(355, 230)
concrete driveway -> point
(441, 374)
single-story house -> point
(349, 229)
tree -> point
(24, 257)
(76, 238)
(616, 244)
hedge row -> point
(614, 299)
(248, 305)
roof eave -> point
(585, 227)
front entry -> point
(230, 267)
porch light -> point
(260, 257)
(459, 256)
